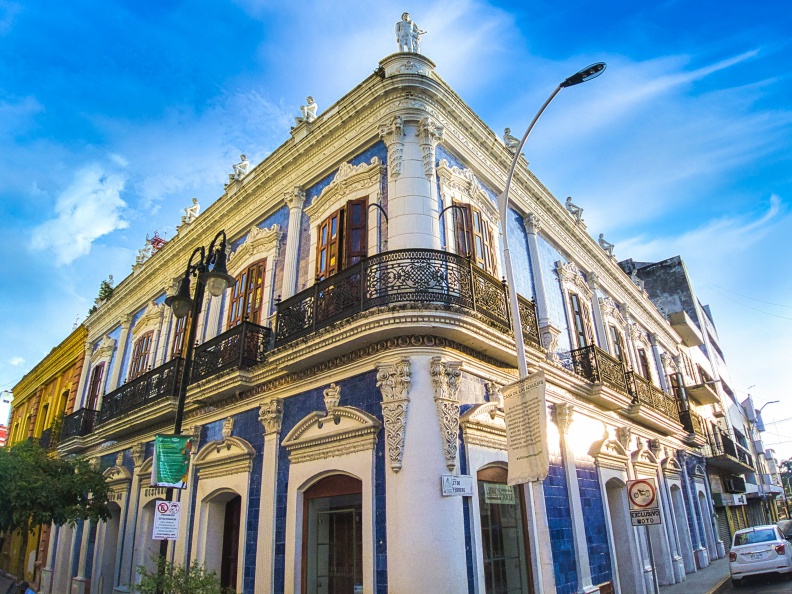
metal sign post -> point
(645, 511)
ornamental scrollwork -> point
(392, 133)
(393, 380)
(429, 134)
(446, 378)
(271, 416)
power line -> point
(711, 285)
(767, 313)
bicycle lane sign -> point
(644, 505)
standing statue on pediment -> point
(408, 35)
(574, 210)
(308, 111)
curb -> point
(721, 586)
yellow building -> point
(41, 399)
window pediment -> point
(104, 350)
(116, 476)
(484, 425)
(572, 280)
(351, 181)
(609, 453)
(259, 244)
(149, 320)
(671, 466)
(229, 455)
(644, 460)
(464, 186)
(611, 312)
(341, 430)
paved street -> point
(762, 585)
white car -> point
(759, 550)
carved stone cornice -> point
(271, 416)
(295, 198)
(463, 185)
(572, 280)
(348, 179)
(429, 133)
(561, 414)
(259, 243)
(446, 381)
(393, 380)
(231, 455)
(392, 133)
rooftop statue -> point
(606, 245)
(408, 35)
(575, 211)
(191, 212)
(511, 142)
(308, 111)
(240, 169)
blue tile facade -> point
(548, 256)
(467, 503)
(521, 262)
(361, 392)
(594, 521)
(559, 521)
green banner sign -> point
(171, 461)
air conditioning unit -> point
(734, 484)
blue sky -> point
(114, 115)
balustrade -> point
(240, 347)
(79, 423)
(597, 366)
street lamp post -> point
(210, 274)
(581, 76)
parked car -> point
(759, 550)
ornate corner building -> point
(359, 359)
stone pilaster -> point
(294, 200)
(271, 418)
(393, 380)
(120, 353)
(445, 379)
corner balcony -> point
(221, 365)
(411, 279)
(651, 406)
(146, 400)
(724, 454)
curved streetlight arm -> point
(211, 251)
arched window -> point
(140, 356)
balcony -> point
(724, 454)
(694, 425)
(413, 276)
(240, 347)
(598, 367)
(78, 424)
(686, 328)
(651, 406)
(152, 387)
(46, 440)
(705, 393)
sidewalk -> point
(710, 580)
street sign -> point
(644, 505)
(166, 520)
(456, 485)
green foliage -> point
(172, 578)
(105, 292)
(40, 489)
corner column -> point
(271, 418)
(294, 200)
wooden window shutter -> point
(247, 295)
(356, 240)
(179, 333)
(643, 363)
(140, 355)
(618, 344)
(329, 245)
(95, 386)
(462, 229)
(581, 321)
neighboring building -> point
(775, 484)
(359, 359)
(5, 414)
(3, 435)
(41, 400)
(734, 462)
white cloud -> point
(16, 361)
(88, 209)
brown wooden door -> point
(230, 554)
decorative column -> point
(445, 378)
(393, 380)
(599, 322)
(699, 552)
(271, 418)
(126, 571)
(413, 208)
(561, 415)
(120, 353)
(87, 368)
(658, 364)
(294, 200)
(548, 333)
(81, 582)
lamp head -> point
(218, 280)
(585, 75)
(181, 303)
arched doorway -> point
(230, 553)
(146, 548)
(618, 508)
(222, 520)
(504, 533)
(332, 536)
(107, 571)
(686, 545)
(706, 520)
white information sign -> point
(644, 506)
(525, 409)
(456, 485)
(166, 520)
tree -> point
(105, 292)
(39, 489)
(172, 578)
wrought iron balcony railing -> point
(692, 422)
(744, 457)
(79, 423)
(645, 392)
(597, 366)
(401, 276)
(152, 386)
(240, 347)
(46, 441)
